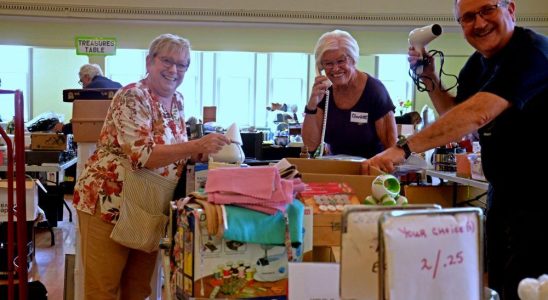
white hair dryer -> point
(420, 37)
(231, 153)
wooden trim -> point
(163, 14)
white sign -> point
(359, 117)
(322, 276)
(360, 257)
(95, 45)
(432, 256)
(360, 249)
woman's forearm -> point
(311, 131)
(163, 155)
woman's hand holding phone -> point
(321, 84)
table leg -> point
(58, 183)
(68, 209)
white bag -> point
(144, 210)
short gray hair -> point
(91, 70)
(168, 42)
(335, 40)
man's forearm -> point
(465, 118)
(442, 100)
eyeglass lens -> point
(485, 11)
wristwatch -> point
(310, 111)
(402, 144)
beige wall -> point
(54, 33)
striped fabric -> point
(144, 210)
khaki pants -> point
(110, 269)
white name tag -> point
(359, 117)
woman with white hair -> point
(144, 128)
(360, 119)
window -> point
(191, 88)
(54, 70)
(288, 78)
(14, 74)
(234, 79)
(394, 74)
(127, 66)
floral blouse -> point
(136, 121)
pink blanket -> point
(258, 188)
(259, 182)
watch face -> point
(401, 142)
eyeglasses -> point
(168, 63)
(486, 11)
(341, 62)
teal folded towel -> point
(255, 227)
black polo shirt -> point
(511, 143)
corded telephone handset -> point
(321, 149)
(321, 72)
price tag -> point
(432, 255)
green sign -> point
(86, 45)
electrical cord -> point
(419, 80)
(324, 125)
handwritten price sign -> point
(451, 260)
(360, 250)
(432, 256)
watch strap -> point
(310, 111)
(402, 144)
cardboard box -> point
(440, 194)
(327, 225)
(196, 177)
(463, 165)
(88, 117)
(48, 141)
(209, 114)
(31, 196)
(325, 166)
(229, 269)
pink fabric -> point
(257, 188)
(283, 194)
(298, 186)
(259, 182)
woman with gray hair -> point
(145, 128)
(360, 119)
